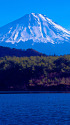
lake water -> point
(35, 109)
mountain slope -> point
(35, 31)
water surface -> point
(35, 109)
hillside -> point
(37, 73)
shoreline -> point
(31, 92)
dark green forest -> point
(41, 73)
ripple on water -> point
(35, 109)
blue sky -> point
(57, 10)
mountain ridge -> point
(6, 51)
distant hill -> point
(6, 51)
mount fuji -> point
(38, 32)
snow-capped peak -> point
(36, 27)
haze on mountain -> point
(38, 32)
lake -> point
(35, 109)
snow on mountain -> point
(35, 27)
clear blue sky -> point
(57, 10)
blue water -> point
(35, 109)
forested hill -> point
(39, 73)
(6, 51)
